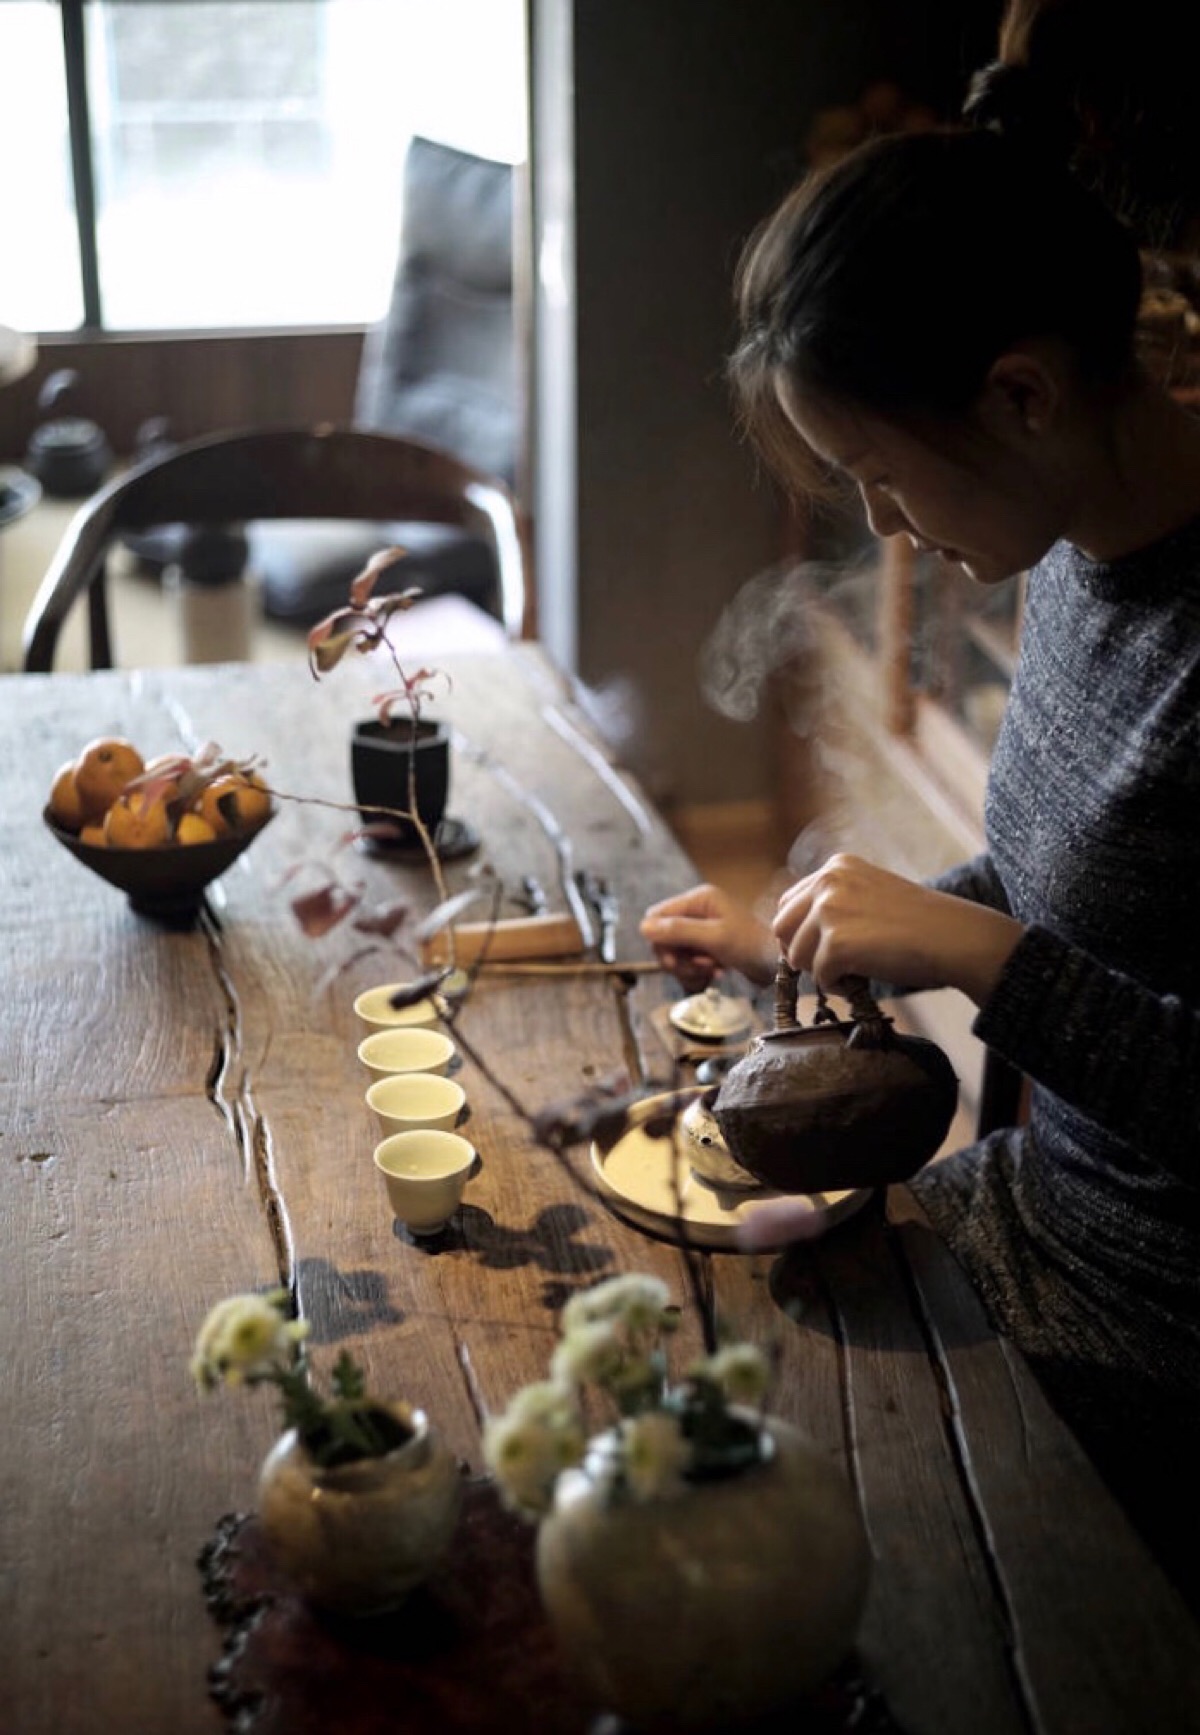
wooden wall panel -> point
(202, 383)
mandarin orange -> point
(193, 828)
(234, 803)
(66, 809)
(102, 770)
(133, 822)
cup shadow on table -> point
(339, 1303)
(551, 1243)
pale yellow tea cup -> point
(425, 1173)
(387, 1051)
(375, 1010)
(407, 1101)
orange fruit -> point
(254, 800)
(93, 834)
(193, 829)
(66, 809)
(132, 822)
(234, 803)
(102, 770)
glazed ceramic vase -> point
(724, 1603)
(380, 756)
(356, 1538)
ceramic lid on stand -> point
(714, 1016)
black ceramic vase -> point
(380, 758)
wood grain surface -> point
(183, 1117)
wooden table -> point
(183, 1118)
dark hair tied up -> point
(1009, 100)
(896, 278)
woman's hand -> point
(851, 918)
(701, 932)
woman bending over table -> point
(947, 320)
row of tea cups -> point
(424, 1162)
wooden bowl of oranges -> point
(161, 829)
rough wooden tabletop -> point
(183, 1117)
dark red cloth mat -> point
(470, 1650)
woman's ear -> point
(1022, 394)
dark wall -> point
(202, 383)
(689, 119)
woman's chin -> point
(982, 570)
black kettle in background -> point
(69, 455)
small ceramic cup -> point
(425, 1173)
(375, 1010)
(407, 1101)
(388, 1051)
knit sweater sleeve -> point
(1123, 1055)
(976, 880)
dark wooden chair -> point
(275, 473)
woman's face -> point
(982, 503)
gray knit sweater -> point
(1082, 1230)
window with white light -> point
(245, 155)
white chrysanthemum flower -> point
(637, 1377)
(655, 1455)
(545, 1401)
(639, 1300)
(588, 1352)
(242, 1336)
(526, 1457)
(741, 1370)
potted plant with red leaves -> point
(400, 757)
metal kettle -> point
(838, 1103)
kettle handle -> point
(864, 1009)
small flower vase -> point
(380, 757)
(356, 1538)
(722, 1603)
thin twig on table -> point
(585, 967)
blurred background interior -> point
(507, 228)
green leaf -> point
(348, 1381)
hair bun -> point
(1009, 100)
(1000, 96)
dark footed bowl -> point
(168, 883)
(820, 1109)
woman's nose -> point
(883, 514)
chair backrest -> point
(442, 364)
(327, 472)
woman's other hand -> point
(701, 932)
(852, 918)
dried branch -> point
(604, 1113)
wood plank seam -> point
(635, 1062)
(845, 1392)
(553, 831)
(470, 1381)
(960, 1458)
(604, 769)
(237, 1107)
